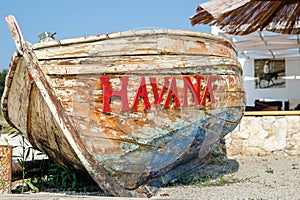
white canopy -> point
(266, 44)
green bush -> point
(2, 80)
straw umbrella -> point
(242, 17)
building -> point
(271, 124)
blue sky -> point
(75, 18)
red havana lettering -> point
(172, 93)
(195, 91)
(158, 98)
(141, 92)
(167, 93)
(108, 93)
(208, 91)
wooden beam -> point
(5, 168)
(272, 113)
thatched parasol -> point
(242, 17)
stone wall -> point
(265, 135)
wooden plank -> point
(19, 97)
(143, 64)
(147, 45)
(272, 113)
(131, 34)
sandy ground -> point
(271, 177)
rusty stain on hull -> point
(133, 109)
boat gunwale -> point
(131, 33)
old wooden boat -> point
(134, 109)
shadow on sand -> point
(213, 166)
(208, 171)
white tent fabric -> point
(266, 44)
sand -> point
(269, 177)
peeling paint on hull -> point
(134, 109)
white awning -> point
(266, 45)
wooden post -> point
(5, 168)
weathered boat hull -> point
(133, 109)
